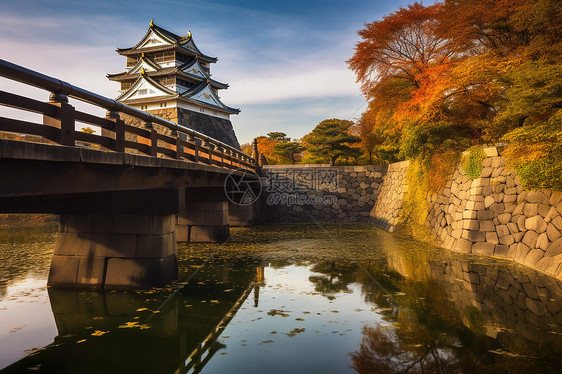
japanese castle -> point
(168, 76)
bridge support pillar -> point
(240, 215)
(114, 252)
(204, 216)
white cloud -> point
(288, 84)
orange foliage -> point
(442, 166)
(401, 46)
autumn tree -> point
(330, 140)
(397, 49)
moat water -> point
(285, 299)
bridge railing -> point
(60, 118)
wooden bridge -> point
(125, 195)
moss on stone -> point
(472, 162)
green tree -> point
(278, 136)
(289, 150)
(330, 140)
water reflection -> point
(170, 330)
(373, 303)
(453, 314)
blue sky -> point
(284, 60)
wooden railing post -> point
(221, 150)
(210, 148)
(153, 139)
(119, 135)
(64, 119)
(176, 135)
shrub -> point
(472, 163)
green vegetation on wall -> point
(472, 162)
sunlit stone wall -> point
(389, 202)
(491, 215)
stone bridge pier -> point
(203, 216)
(114, 251)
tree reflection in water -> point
(439, 320)
(336, 277)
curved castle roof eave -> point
(174, 41)
(226, 109)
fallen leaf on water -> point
(142, 309)
(81, 341)
(129, 325)
(99, 333)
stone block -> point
(475, 236)
(536, 223)
(154, 246)
(470, 214)
(140, 273)
(555, 248)
(66, 243)
(513, 228)
(63, 272)
(530, 238)
(552, 232)
(508, 199)
(543, 209)
(521, 252)
(519, 209)
(497, 208)
(77, 223)
(106, 245)
(533, 257)
(552, 213)
(470, 224)
(129, 224)
(488, 201)
(502, 230)
(555, 198)
(483, 248)
(542, 241)
(521, 223)
(463, 245)
(507, 240)
(557, 222)
(531, 209)
(545, 263)
(518, 236)
(501, 250)
(218, 218)
(537, 197)
(182, 233)
(91, 271)
(492, 237)
(487, 226)
(504, 218)
(485, 215)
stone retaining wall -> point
(307, 193)
(490, 215)
(389, 202)
(493, 216)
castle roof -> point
(159, 39)
(145, 89)
(191, 71)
